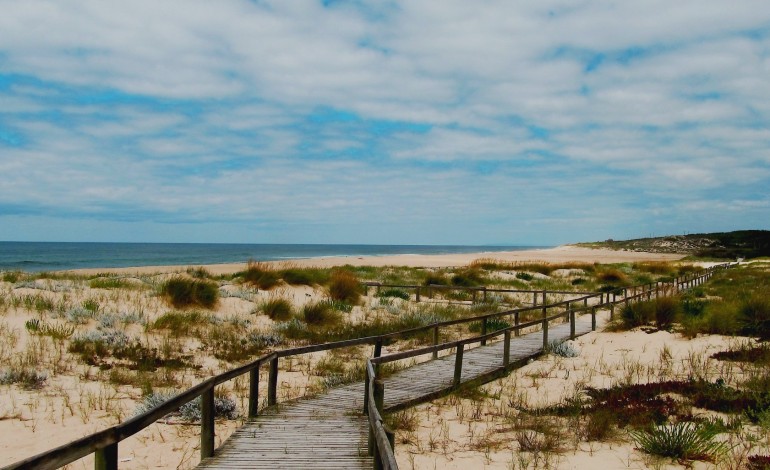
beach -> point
(80, 398)
(560, 254)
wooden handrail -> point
(104, 442)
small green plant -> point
(562, 349)
(91, 305)
(183, 292)
(181, 323)
(27, 378)
(682, 441)
(397, 293)
(524, 276)
(277, 308)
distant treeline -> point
(723, 245)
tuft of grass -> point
(261, 275)
(319, 313)
(612, 276)
(397, 293)
(468, 278)
(304, 276)
(109, 283)
(182, 323)
(344, 286)
(682, 441)
(198, 272)
(277, 308)
(11, 276)
(524, 276)
(754, 315)
(435, 279)
(183, 292)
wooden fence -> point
(104, 444)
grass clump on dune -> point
(344, 286)
(260, 275)
(277, 308)
(183, 292)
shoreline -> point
(559, 254)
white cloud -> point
(210, 115)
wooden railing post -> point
(483, 330)
(507, 348)
(207, 423)
(106, 458)
(485, 294)
(417, 294)
(534, 299)
(593, 318)
(516, 322)
(571, 323)
(545, 328)
(254, 392)
(544, 294)
(435, 341)
(458, 364)
(379, 400)
(272, 383)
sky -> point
(383, 122)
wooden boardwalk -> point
(330, 431)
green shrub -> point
(277, 308)
(637, 314)
(318, 313)
(199, 273)
(435, 279)
(578, 281)
(184, 292)
(344, 286)
(754, 316)
(612, 276)
(683, 441)
(11, 276)
(398, 293)
(297, 277)
(468, 278)
(524, 276)
(666, 312)
(260, 275)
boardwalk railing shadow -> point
(104, 444)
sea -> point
(57, 256)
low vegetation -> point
(183, 292)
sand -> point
(78, 400)
(561, 254)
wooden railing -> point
(474, 291)
(104, 444)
